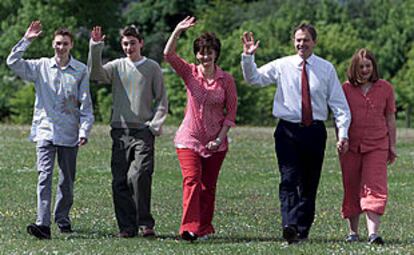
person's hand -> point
(213, 145)
(185, 24)
(82, 141)
(96, 34)
(249, 46)
(392, 155)
(34, 30)
(342, 145)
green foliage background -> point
(384, 26)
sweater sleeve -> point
(161, 102)
(98, 72)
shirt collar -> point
(71, 63)
(297, 60)
(219, 73)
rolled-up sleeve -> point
(181, 67)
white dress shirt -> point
(324, 85)
(63, 107)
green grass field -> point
(247, 217)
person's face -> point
(206, 57)
(132, 47)
(365, 70)
(304, 43)
(62, 45)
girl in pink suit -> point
(372, 138)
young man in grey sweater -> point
(139, 109)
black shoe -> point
(290, 234)
(375, 239)
(41, 232)
(189, 236)
(352, 238)
(65, 229)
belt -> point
(301, 125)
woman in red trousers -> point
(201, 140)
(372, 138)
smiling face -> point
(365, 70)
(206, 57)
(303, 43)
(132, 47)
(62, 45)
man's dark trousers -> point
(300, 152)
(132, 167)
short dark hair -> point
(131, 30)
(63, 31)
(353, 74)
(308, 27)
(207, 40)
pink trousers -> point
(199, 188)
(364, 177)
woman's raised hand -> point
(186, 24)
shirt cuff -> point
(247, 57)
(24, 43)
(82, 134)
(342, 133)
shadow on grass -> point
(217, 239)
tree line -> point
(386, 27)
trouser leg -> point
(140, 175)
(190, 163)
(45, 161)
(288, 160)
(312, 154)
(351, 163)
(64, 195)
(374, 191)
(124, 204)
(210, 172)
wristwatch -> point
(218, 141)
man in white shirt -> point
(62, 121)
(300, 136)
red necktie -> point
(306, 100)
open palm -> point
(249, 46)
(96, 34)
(186, 23)
(34, 30)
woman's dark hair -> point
(209, 41)
(353, 70)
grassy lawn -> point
(247, 217)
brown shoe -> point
(147, 232)
(126, 234)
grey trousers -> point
(132, 166)
(66, 156)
